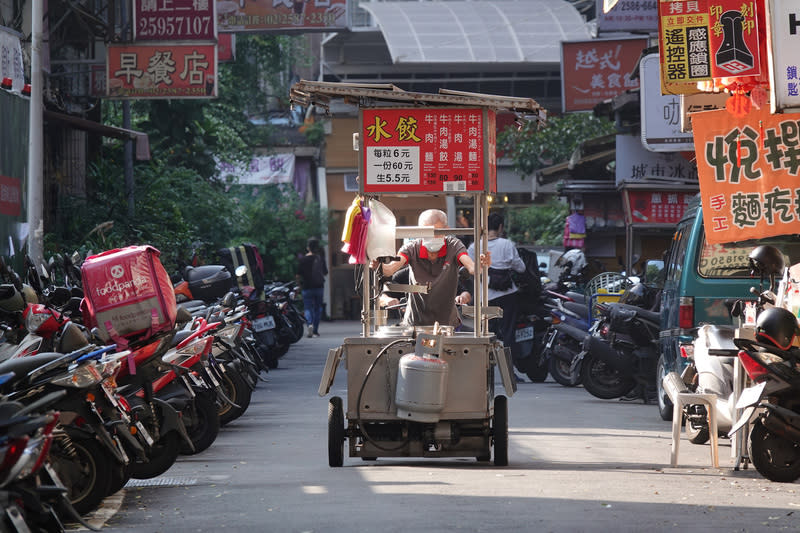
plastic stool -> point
(680, 396)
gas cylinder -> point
(421, 387)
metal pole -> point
(35, 188)
(128, 159)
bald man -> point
(435, 260)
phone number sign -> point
(174, 20)
(407, 150)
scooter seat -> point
(577, 297)
(582, 310)
(21, 366)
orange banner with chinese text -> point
(748, 172)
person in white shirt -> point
(502, 289)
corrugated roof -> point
(478, 32)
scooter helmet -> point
(777, 326)
(635, 295)
(766, 260)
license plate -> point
(751, 395)
(524, 334)
(264, 323)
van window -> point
(678, 251)
(731, 260)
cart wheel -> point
(500, 431)
(335, 432)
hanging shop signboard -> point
(161, 70)
(412, 150)
(694, 103)
(783, 29)
(282, 15)
(634, 164)
(656, 206)
(748, 170)
(628, 16)
(174, 20)
(705, 39)
(661, 114)
(596, 70)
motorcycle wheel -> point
(602, 381)
(119, 477)
(664, 403)
(160, 457)
(775, 458)
(560, 370)
(696, 433)
(205, 424)
(537, 373)
(239, 393)
(84, 467)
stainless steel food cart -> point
(421, 391)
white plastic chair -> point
(680, 396)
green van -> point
(699, 278)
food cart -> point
(424, 391)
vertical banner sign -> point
(733, 38)
(684, 41)
(162, 70)
(661, 114)
(282, 15)
(174, 20)
(783, 30)
(427, 150)
(748, 172)
(596, 70)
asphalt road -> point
(576, 463)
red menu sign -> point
(174, 20)
(164, 70)
(596, 70)
(428, 150)
(657, 207)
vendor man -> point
(434, 261)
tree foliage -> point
(538, 224)
(531, 148)
(181, 207)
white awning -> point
(497, 31)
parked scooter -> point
(772, 362)
(622, 353)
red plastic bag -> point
(127, 294)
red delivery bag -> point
(127, 294)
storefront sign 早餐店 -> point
(161, 70)
(748, 172)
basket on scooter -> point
(605, 288)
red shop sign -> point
(10, 196)
(657, 207)
(407, 150)
(174, 20)
(162, 70)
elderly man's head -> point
(433, 217)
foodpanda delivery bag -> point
(127, 294)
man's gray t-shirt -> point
(442, 274)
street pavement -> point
(576, 463)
